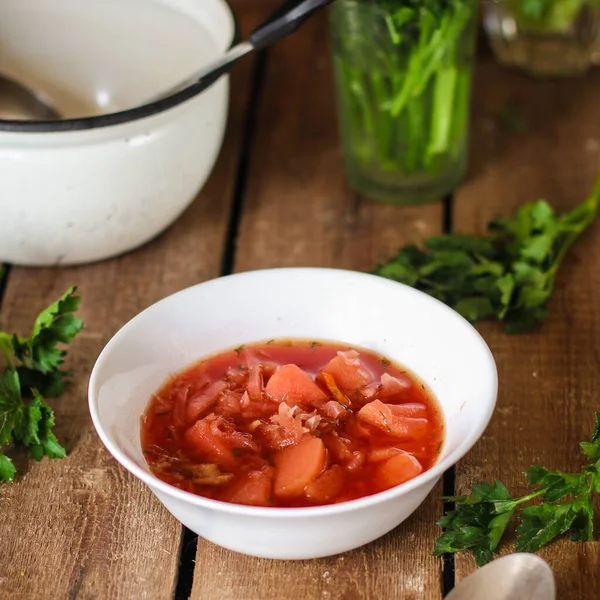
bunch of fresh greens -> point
(549, 16)
(508, 275)
(404, 70)
(31, 370)
(480, 520)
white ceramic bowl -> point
(397, 321)
(110, 176)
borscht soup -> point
(291, 423)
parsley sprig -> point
(30, 371)
(479, 521)
(508, 275)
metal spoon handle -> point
(281, 23)
(285, 20)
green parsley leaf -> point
(582, 529)
(31, 370)
(592, 448)
(479, 521)
(557, 485)
(508, 275)
(47, 443)
(53, 326)
(541, 524)
(10, 405)
(7, 468)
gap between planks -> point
(449, 478)
(4, 275)
(189, 545)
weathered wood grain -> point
(298, 212)
(549, 379)
(83, 527)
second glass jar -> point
(403, 71)
(544, 38)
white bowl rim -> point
(432, 474)
(122, 116)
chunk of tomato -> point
(340, 448)
(255, 383)
(215, 439)
(291, 384)
(327, 485)
(413, 410)
(380, 415)
(397, 470)
(334, 410)
(383, 453)
(392, 386)
(298, 465)
(253, 489)
(202, 401)
(347, 370)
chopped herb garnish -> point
(241, 367)
(237, 451)
(389, 429)
(239, 349)
(314, 345)
(384, 361)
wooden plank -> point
(298, 212)
(549, 379)
(83, 527)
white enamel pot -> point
(90, 187)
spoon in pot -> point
(19, 103)
(22, 104)
(284, 21)
(511, 577)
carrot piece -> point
(327, 485)
(397, 470)
(334, 390)
(206, 443)
(291, 383)
(296, 466)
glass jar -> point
(544, 37)
(403, 71)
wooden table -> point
(84, 528)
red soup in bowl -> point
(291, 423)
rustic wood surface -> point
(549, 379)
(84, 528)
